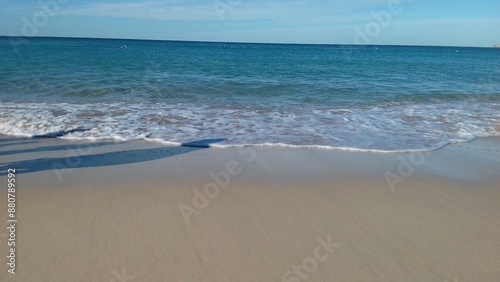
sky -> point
(381, 22)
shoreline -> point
(212, 144)
(67, 156)
(139, 211)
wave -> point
(387, 127)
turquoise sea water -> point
(381, 98)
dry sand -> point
(111, 211)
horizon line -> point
(494, 46)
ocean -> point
(367, 98)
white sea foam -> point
(384, 128)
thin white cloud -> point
(211, 10)
(144, 10)
(451, 22)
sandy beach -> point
(139, 211)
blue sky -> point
(403, 22)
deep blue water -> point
(360, 97)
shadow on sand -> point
(85, 158)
